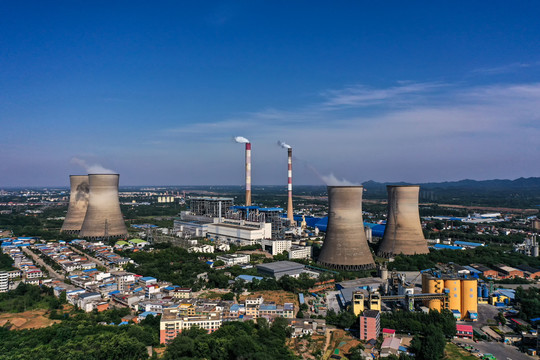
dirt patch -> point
(280, 297)
(35, 319)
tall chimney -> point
(78, 204)
(290, 214)
(248, 174)
(345, 246)
(403, 233)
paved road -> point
(97, 261)
(485, 312)
(41, 263)
(499, 350)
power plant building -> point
(240, 232)
(78, 204)
(345, 246)
(210, 206)
(103, 217)
(403, 233)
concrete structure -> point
(281, 268)
(78, 204)
(345, 246)
(358, 302)
(103, 218)
(403, 233)
(370, 325)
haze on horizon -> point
(416, 92)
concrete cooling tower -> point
(403, 233)
(345, 246)
(103, 218)
(78, 203)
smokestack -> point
(103, 218)
(290, 214)
(345, 246)
(248, 174)
(403, 233)
(78, 204)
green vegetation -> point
(234, 340)
(529, 301)
(488, 256)
(22, 225)
(6, 262)
(431, 330)
(172, 264)
(80, 336)
(29, 297)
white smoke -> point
(241, 140)
(92, 168)
(332, 180)
(283, 145)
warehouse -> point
(280, 268)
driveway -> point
(499, 350)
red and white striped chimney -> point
(248, 174)
(290, 215)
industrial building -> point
(234, 259)
(276, 246)
(461, 293)
(210, 206)
(280, 268)
(300, 252)
(78, 204)
(403, 233)
(103, 217)
(240, 232)
(345, 246)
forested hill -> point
(522, 192)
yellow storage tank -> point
(469, 297)
(454, 293)
(435, 286)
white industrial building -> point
(234, 259)
(4, 281)
(276, 247)
(239, 232)
(300, 252)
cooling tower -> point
(103, 218)
(78, 203)
(248, 174)
(345, 246)
(403, 233)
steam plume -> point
(283, 145)
(331, 180)
(241, 140)
(92, 168)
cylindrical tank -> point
(479, 291)
(345, 246)
(485, 292)
(403, 233)
(78, 204)
(454, 293)
(435, 286)
(535, 251)
(469, 297)
(103, 218)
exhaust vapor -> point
(92, 168)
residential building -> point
(300, 252)
(4, 281)
(370, 325)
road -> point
(97, 261)
(42, 263)
(485, 312)
(499, 350)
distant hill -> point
(522, 192)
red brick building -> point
(370, 325)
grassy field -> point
(454, 352)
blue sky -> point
(389, 91)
